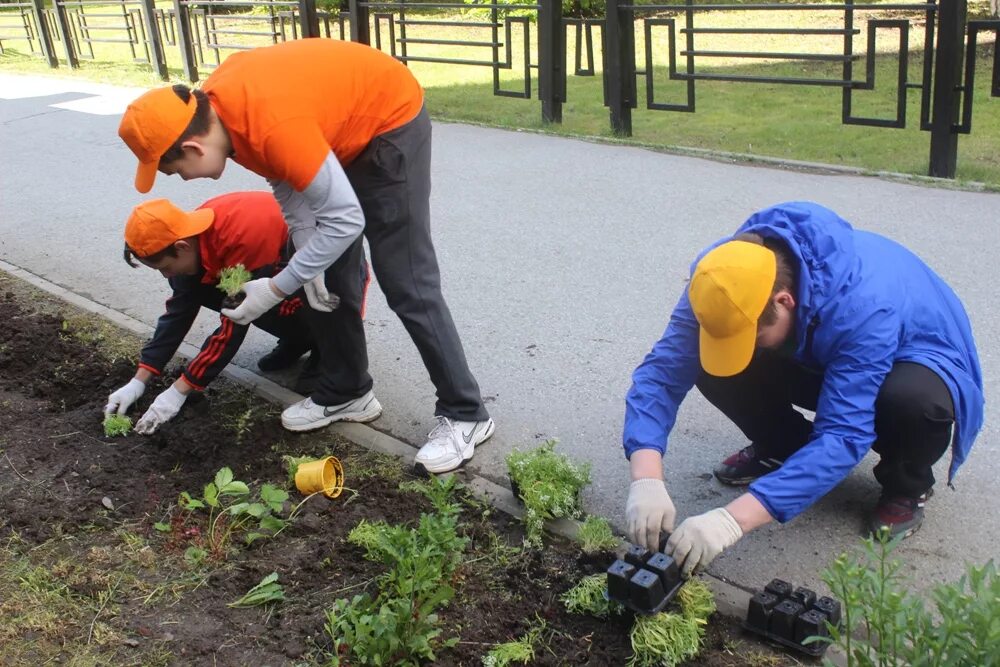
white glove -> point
(648, 511)
(699, 539)
(122, 399)
(164, 408)
(319, 297)
(260, 299)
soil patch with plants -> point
(193, 547)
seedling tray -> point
(787, 616)
(643, 581)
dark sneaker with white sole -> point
(900, 515)
(307, 415)
(744, 467)
(451, 444)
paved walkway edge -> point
(731, 600)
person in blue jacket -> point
(798, 308)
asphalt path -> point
(561, 261)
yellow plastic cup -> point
(326, 475)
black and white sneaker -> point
(307, 415)
(451, 443)
(744, 467)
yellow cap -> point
(729, 290)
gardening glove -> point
(319, 297)
(122, 399)
(648, 510)
(699, 539)
(164, 408)
(260, 299)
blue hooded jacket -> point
(869, 303)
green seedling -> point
(595, 535)
(696, 600)
(587, 597)
(521, 651)
(370, 536)
(292, 464)
(664, 639)
(116, 425)
(232, 279)
(549, 484)
(267, 591)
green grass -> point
(755, 120)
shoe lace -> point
(442, 431)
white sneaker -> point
(307, 416)
(451, 443)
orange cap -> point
(729, 290)
(151, 125)
(157, 223)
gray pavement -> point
(561, 261)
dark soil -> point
(60, 476)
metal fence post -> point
(65, 34)
(48, 48)
(308, 18)
(551, 60)
(360, 30)
(185, 40)
(156, 56)
(947, 88)
(619, 66)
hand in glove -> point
(164, 408)
(319, 297)
(260, 298)
(122, 399)
(648, 511)
(699, 539)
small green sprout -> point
(664, 639)
(116, 425)
(549, 484)
(231, 279)
(267, 591)
(696, 600)
(587, 597)
(595, 535)
(521, 651)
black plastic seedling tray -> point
(788, 615)
(643, 581)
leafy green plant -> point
(587, 597)
(696, 600)
(595, 535)
(267, 591)
(370, 536)
(549, 484)
(116, 425)
(231, 279)
(664, 639)
(885, 625)
(520, 651)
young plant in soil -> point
(231, 280)
(267, 591)
(587, 597)
(520, 651)
(549, 484)
(116, 425)
(595, 535)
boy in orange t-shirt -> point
(341, 134)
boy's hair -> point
(128, 254)
(786, 276)
(198, 126)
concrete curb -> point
(731, 600)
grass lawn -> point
(793, 122)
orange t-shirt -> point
(286, 106)
(248, 229)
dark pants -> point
(392, 178)
(913, 415)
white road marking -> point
(99, 98)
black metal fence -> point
(655, 54)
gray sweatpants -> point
(392, 178)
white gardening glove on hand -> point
(648, 511)
(319, 297)
(122, 399)
(164, 408)
(260, 298)
(699, 539)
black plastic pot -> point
(644, 582)
(619, 575)
(788, 616)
